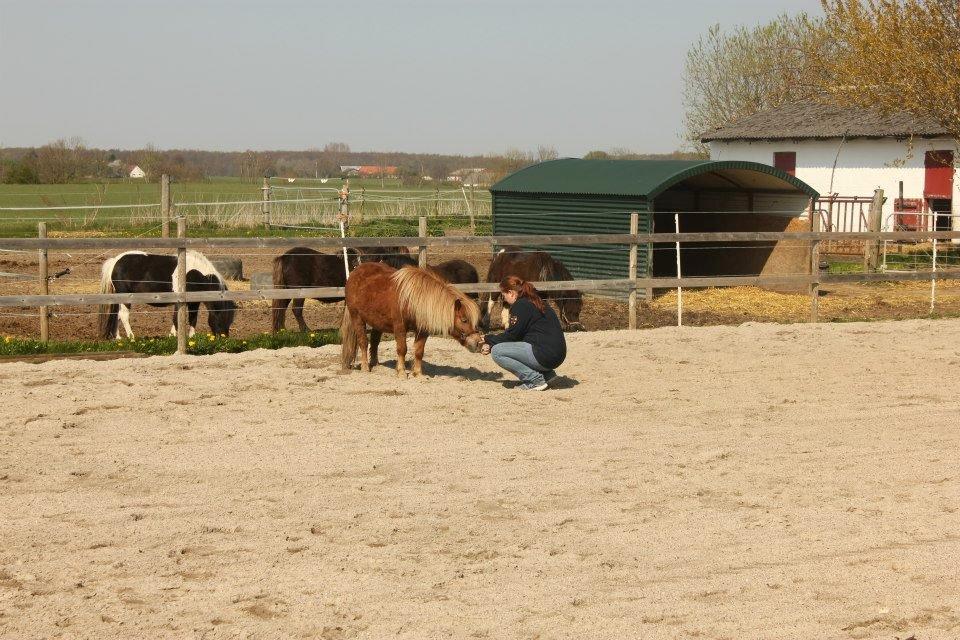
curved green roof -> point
(643, 178)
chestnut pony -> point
(400, 300)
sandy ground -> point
(761, 481)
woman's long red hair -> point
(524, 290)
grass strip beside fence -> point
(201, 344)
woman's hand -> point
(485, 349)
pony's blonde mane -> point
(429, 300)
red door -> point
(938, 181)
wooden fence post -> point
(436, 203)
(165, 206)
(265, 201)
(676, 227)
(181, 287)
(814, 264)
(473, 225)
(871, 248)
(44, 284)
(363, 192)
(343, 217)
(422, 257)
(632, 271)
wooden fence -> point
(812, 279)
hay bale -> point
(261, 280)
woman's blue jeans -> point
(518, 359)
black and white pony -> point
(139, 272)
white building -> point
(137, 172)
(848, 153)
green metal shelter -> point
(597, 196)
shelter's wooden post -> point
(871, 248)
(181, 287)
(632, 271)
(814, 264)
(264, 202)
(422, 257)
(165, 206)
(44, 284)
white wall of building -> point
(862, 165)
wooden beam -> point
(619, 284)
(127, 244)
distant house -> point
(375, 171)
(473, 177)
(847, 153)
(367, 170)
(136, 172)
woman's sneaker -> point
(534, 387)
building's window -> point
(786, 161)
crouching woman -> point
(533, 344)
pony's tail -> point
(349, 340)
(108, 312)
(279, 309)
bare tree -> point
(736, 73)
(545, 152)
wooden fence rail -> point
(620, 285)
(625, 285)
(129, 244)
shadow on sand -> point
(474, 374)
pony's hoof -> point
(365, 369)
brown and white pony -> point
(397, 301)
(535, 266)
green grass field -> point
(125, 207)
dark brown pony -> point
(397, 301)
(535, 266)
(305, 267)
(396, 257)
(458, 271)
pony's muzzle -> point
(472, 342)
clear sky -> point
(421, 76)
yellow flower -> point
(312, 335)
(7, 339)
(192, 343)
(210, 336)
